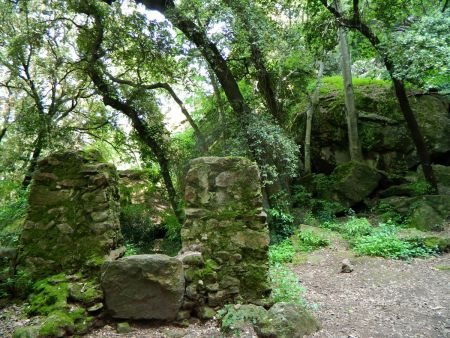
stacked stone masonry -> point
(73, 217)
(225, 237)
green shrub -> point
(301, 196)
(13, 206)
(353, 228)
(309, 241)
(387, 213)
(384, 242)
(281, 224)
(325, 211)
(389, 246)
(172, 238)
(356, 227)
(331, 225)
(282, 252)
(285, 285)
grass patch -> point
(335, 83)
(307, 241)
(285, 285)
(302, 241)
(389, 246)
(282, 252)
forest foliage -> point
(108, 75)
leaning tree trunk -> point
(33, 161)
(152, 137)
(313, 106)
(400, 91)
(2, 133)
(212, 55)
(352, 115)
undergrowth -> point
(302, 241)
(285, 285)
(381, 241)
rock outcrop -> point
(143, 287)
(225, 237)
(427, 212)
(73, 216)
(385, 138)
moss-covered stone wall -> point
(226, 224)
(73, 217)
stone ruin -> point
(73, 225)
(225, 238)
(223, 259)
(73, 216)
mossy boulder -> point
(58, 316)
(235, 318)
(143, 287)
(73, 218)
(26, 332)
(287, 320)
(282, 320)
(351, 183)
(428, 212)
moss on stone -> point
(49, 295)
(56, 325)
(26, 332)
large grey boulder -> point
(143, 287)
(428, 212)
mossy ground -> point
(59, 302)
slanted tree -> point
(356, 22)
(39, 69)
(145, 118)
(312, 108)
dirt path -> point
(380, 298)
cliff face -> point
(385, 138)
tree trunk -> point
(152, 137)
(313, 106)
(399, 86)
(210, 52)
(33, 161)
(262, 74)
(352, 115)
(2, 133)
(415, 132)
(219, 101)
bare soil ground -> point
(380, 298)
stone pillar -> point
(73, 217)
(225, 222)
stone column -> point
(225, 223)
(73, 217)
